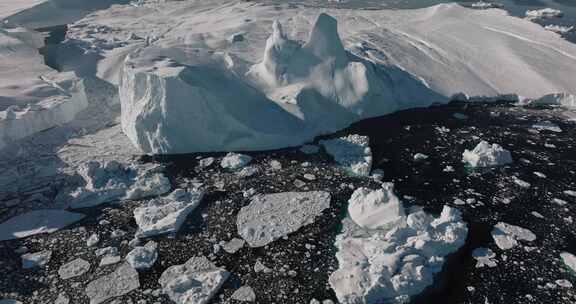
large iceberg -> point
(226, 75)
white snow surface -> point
(272, 216)
(487, 155)
(358, 64)
(351, 152)
(194, 282)
(33, 97)
(166, 214)
(398, 261)
(36, 222)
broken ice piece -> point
(351, 152)
(507, 236)
(166, 214)
(272, 216)
(143, 257)
(235, 161)
(487, 155)
(484, 257)
(195, 281)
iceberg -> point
(392, 254)
(280, 79)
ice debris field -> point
(225, 151)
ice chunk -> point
(544, 13)
(569, 260)
(546, 125)
(235, 161)
(109, 181)
(395, 262)
(507, 236)
(485, 5)
(120, 282)
(194, 282)
(234, 245)
(560, 29)
(73, 269)
(166, 214)
(244, 294)
(143, 257)
(484, 257)
(36, 259)
(352, 152)
(376, 209)
(487, 155)
(272, 216)
(36, 222)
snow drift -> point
(225, 75)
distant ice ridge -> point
(33, 97)
(279, 88)
(388, 252)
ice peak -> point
(277, 31)
(324, 41)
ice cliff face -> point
(177, 101)
(33, 97)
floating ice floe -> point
(166, 214)
(73, 269)
(118, 283)
(398, 260)
(485, 5)
(235, 161)
(244, 294)
(560, 29)
(420, 157)
(569, 260)
(487, 155)
(546, 125)
(484, 257)
(351, 152)
(272, 216)
(110, 181)
(36, 259)
(544, 13)
(143, 257)
(234, 245)
(36, 222)
(508, 236)
(194, 282)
